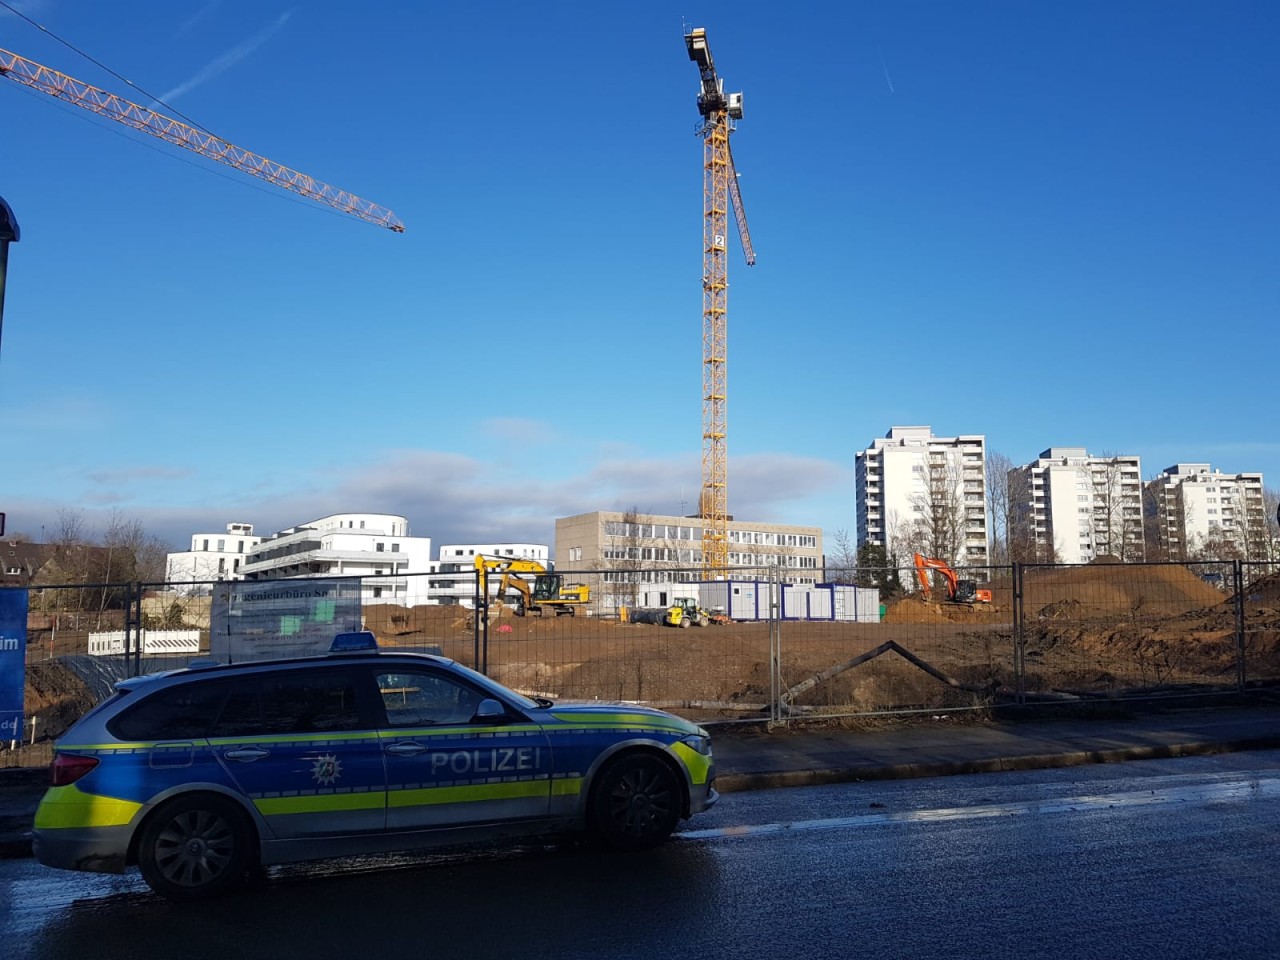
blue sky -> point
(1052, 224)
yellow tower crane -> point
(719, 189)
(70, 90)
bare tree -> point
(842, 562)
(1023, 544)
(1270, 547)
(1117, 510)
(999, 507)
(938, 529)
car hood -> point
(623, 715)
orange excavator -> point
(958, 591)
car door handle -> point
(409, 749)
(247, 754)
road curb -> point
(740, 782)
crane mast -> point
(130, 114)
(720, 191)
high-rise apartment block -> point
(1198, 513)
(918, 493)
(1069, 507)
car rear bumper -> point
(98, 850)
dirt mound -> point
(914, 609)
(1264, 590)
(1111, 589)
(56, 697)
(1060, 610)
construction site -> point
(1044, 634)
(1087, 634)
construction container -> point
(830, 601)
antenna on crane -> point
(126, 112)
(719, 189)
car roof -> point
(207, 668)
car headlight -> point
(698, 744)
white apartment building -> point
(917, 493)
(372, 545)
(454, 573)
(213, 556)
(1207, 514)
(622, 552)
(1069, 507)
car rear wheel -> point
(636, 802)
(196, 847)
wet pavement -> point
(753, 758)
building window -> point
(377, 591)
(395, 548)
(206, 545)
(361, 524)
(378, 547)
(240, 547)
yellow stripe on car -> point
(70, 807)
(697, 765)
(470, 793)
(320, 803)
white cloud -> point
(226, 61)
(455, 498)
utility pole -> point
(9, 233)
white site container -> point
(831, 601)
(740, 599)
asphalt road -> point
(1167, 859)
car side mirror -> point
(490, 710)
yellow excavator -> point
(547, 596)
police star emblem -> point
(326, 769)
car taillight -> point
(69, 767)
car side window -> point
(242, 712)
(182, 712)
(423, 699)
(313, 701)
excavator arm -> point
(924, 565)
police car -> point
(199, 776)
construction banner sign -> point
(13, 661)
(262, 620)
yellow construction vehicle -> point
(547, 595)
(685, 612)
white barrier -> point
(111, 642)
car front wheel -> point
(196, 847)
(636, 802)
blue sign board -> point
(13, 661)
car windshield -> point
(484, 682)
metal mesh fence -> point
(625, 645)
(764, 646)
(1115, 630)
(892, 649)
(1258, 613)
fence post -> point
(775, 650)
(1019, 665)
(1237, 576)
(480, 650)
(133, 626)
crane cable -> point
(98, 63)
